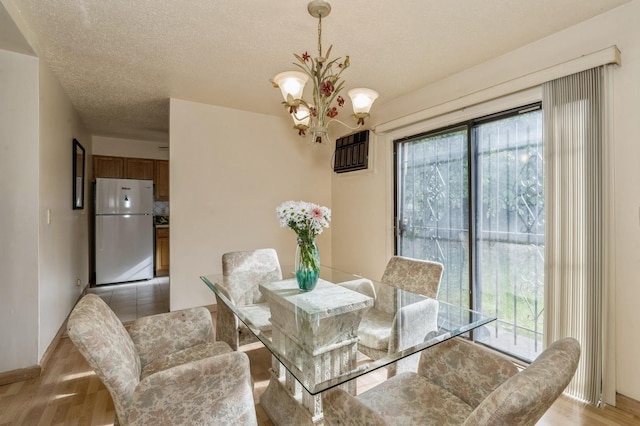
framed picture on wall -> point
(78, 175)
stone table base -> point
(316, 333)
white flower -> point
(306, 219)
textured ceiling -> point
(120, 60)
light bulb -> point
(302, 116)
(362, 99)
(291, 83)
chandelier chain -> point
(320, 35)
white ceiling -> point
(120, 60)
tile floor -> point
(138, 299)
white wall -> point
(623, 29)
(229, 171)
(618, 27)
(40, 261)
(119, 147)
(361, 203)
(64, 242)
(19, 180)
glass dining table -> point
(313, 336)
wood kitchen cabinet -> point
(123, 167)
(162, 251)
(108, 167)
(162, 180)
(139, 168)
(135, 168)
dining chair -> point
(383, 329)
(166, 368)
(254, 267)
(361, 285)
(461, 383)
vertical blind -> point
(576, 229)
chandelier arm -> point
(305, 103)
(344, 124)
(305, 117)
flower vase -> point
(307, 264)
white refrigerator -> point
(124, 230)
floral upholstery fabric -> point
(188, 393)
(259, 261)
(361, 285)
(410, 326)
(227, 326)
(259, 315)
(402, 399)
(461, 384)
(375, 329)
(185, 356)
(212, 391)
(378, 331)
(405, 399)
(466, 370)
(524, 398)
(416, 276)
(252, 267)
(158, 335)
(340, 408)
(104, 342)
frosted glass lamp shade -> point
(302, 116)
(291, 83)
(362, 99)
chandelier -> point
(325, 73)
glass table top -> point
(295, 325)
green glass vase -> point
(307, 264)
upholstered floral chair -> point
(461, 383)
(167, 369)
(379, 329)
(252, 267)
(361, 285)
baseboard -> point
(627, 404)
(61, 333)
(54, 343)
(20, 375)
(35, 371)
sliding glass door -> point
(471, 196)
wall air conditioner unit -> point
(352, 152)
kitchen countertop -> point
(162, 226)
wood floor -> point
(69, 393)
